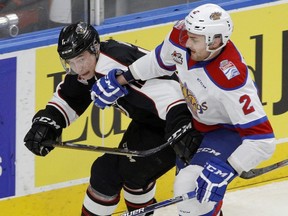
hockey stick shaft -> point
(115, 151)
(260, 171)
(155, 206)
(119, 151)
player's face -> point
(83, 64)
(197, 46)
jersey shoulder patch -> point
(228, 71)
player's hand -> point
(107, 89)
(186, 144)
(43, 129)
(213, 181)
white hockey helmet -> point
(210, 20)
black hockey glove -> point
(43, 129)
(187, 140)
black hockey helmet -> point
(76, 38)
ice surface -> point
(267, 200)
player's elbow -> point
(268, 147)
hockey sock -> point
(96, 204)
(138, 198)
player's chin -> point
(87, 75)
(193, 56)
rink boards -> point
(59, 180)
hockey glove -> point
(213, 181)
(43, 129)
(186, 142)
(107, 90)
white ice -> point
(267, 200)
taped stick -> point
(260, 171)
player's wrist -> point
(126, 77)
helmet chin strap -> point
(212, 52)
(209, 56)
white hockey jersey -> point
(219, 93)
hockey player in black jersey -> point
(152, 106)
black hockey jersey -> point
(148, 102)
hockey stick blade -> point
(260, 171)
(155, 206)
(115, 151)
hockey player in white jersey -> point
(222, 99)
(150, 108)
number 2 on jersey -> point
(247, 108)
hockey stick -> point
(115, 151)
(257, 172)
(120, 151)
(155, 206)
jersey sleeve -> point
(71, 98)
(156, 63)
(165, 94)
(178, 116)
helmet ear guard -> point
(95, 47)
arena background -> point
(55, 185)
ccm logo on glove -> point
(46, 120)
(216, 171)
(107, 90)
(212, 183)
(108, 82)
